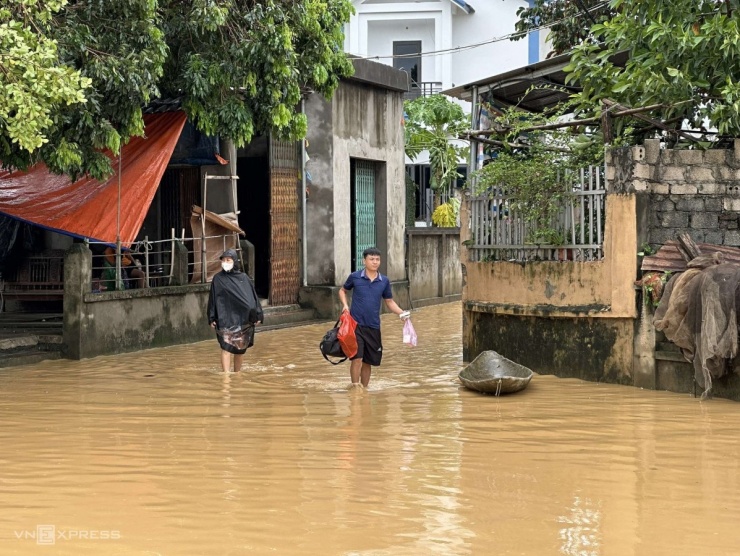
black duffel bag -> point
(330, 346)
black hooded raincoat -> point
(233, 303)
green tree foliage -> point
(537, 176)
(33, 85)
(571, 20)
(683, 51)
(237, 65)
(241, 64)
(532, 181)
(115, 51)
(432, 124)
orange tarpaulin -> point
(87, 207)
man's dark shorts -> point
(369, 345)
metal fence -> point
(152, 262)
(498, 232)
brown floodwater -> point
(158, 452)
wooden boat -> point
(493, 373)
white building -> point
(441, 32)
(441, 44)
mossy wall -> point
(598, 350)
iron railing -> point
(423, 89)
(498, 232)
(154, 260)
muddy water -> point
(159, 453)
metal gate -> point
(363, 209)
(285, 271)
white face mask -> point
(227, 266)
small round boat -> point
(493, 373)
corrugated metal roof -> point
(668, 258)
(511, 88)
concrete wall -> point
(433, 258)
(116, 322)
(573, 319)
(362, 121)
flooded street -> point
(157, 452)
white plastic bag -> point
(409, 334)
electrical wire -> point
(483, 43)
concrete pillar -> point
(644, 367)
(247, 249)
(77, 282)
(180, 265)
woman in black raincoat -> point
(233, 310)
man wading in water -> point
(369, 286)
(233, 310)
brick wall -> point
(690, 191)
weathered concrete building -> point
(356, 195)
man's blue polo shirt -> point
(366, 297)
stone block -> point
(696, 235)
(715, 236)
(672, 173)
(608, 156)
(732, 237)
(731, 225)
(666, 157)
(640, 185)
(692, 204)
(675, 219)
(643, 171)
(652, 150)
(731, 189)
(663, 235)
(638, 153)
(610, 173)
(725, 174)
(684, 190)
(689, 157)
(737, 150)
(715, 156)
(710, 188)
(700, 174)
(661, 188)
(705, 220)
(731, 205)
(667, 206)
(712, 203)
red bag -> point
(346, 334)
